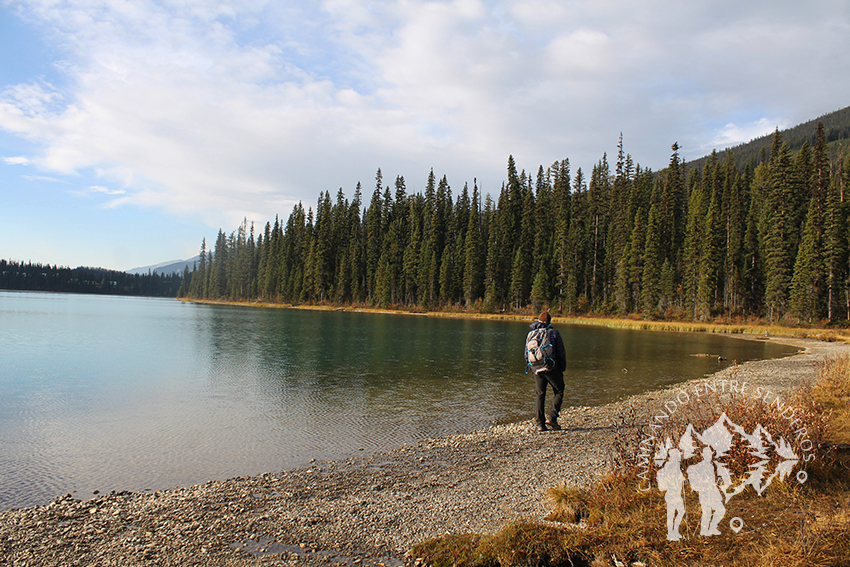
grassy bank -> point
(613, 523)
(750, 327)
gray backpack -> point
(539, 350)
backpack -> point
(539, 350)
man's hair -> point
(545, 317)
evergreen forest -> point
(768, 239)
(21, 276)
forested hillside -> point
(836, 130)
(768, 239)
(37, 277)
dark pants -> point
(556, 379)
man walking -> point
(552, 373)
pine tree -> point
(634, 262)
(264, 246)
(324, 248)
(808, 268)
(357, 247)
(184, 283)
(428, 256)
(712, 244)
(542, 289)
(522, 264)
(374, 235)
(693, 246)
(599, 201)
(218, 268)
(341, 288)
(652, 264)
(835, 247)
(473, 282)
(734, 216)
(560, 174)
(499, 253)
(752, 263)
(671, 207)
(577, 247)
(411, 269)
(621, 228)
(199, 275)
(395, 243)
(460, 219)
(778, 242)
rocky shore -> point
(364, 511)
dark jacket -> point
(560, 354)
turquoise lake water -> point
(120, 393)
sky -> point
(132, 129)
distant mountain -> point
(836, 129)
(165, 268)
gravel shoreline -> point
(364, 511)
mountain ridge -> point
(165, 268)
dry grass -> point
(832, 391)
(612, 522)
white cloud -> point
(16, 160)
(734, 134)
(99, 190)
(232, 109)
(106, 190)
(583, 52)
(46, 178)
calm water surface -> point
(118, 393)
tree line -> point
(766, 240)
(21, 276)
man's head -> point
(545, 318)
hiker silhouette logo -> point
(711, 472)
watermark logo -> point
(720, 461)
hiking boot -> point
(553, 423)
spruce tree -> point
(429, 260)
(560, 173)
(652, 264)
(499, 254)
(473, 282)
(734, 217)
(200, 274)
(693, 245)
(808, 268)
(218, 282)
(357, 247)
(835, 248)
(411, 269)
(712, 244)
(621, 228)
(523, 260)
(576, 247)
(324, 248)
(542, 289)
(374, 235)
(778, 242)
(634, 261)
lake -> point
(122, 393)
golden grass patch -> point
(611, 522)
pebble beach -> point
(368, 510)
